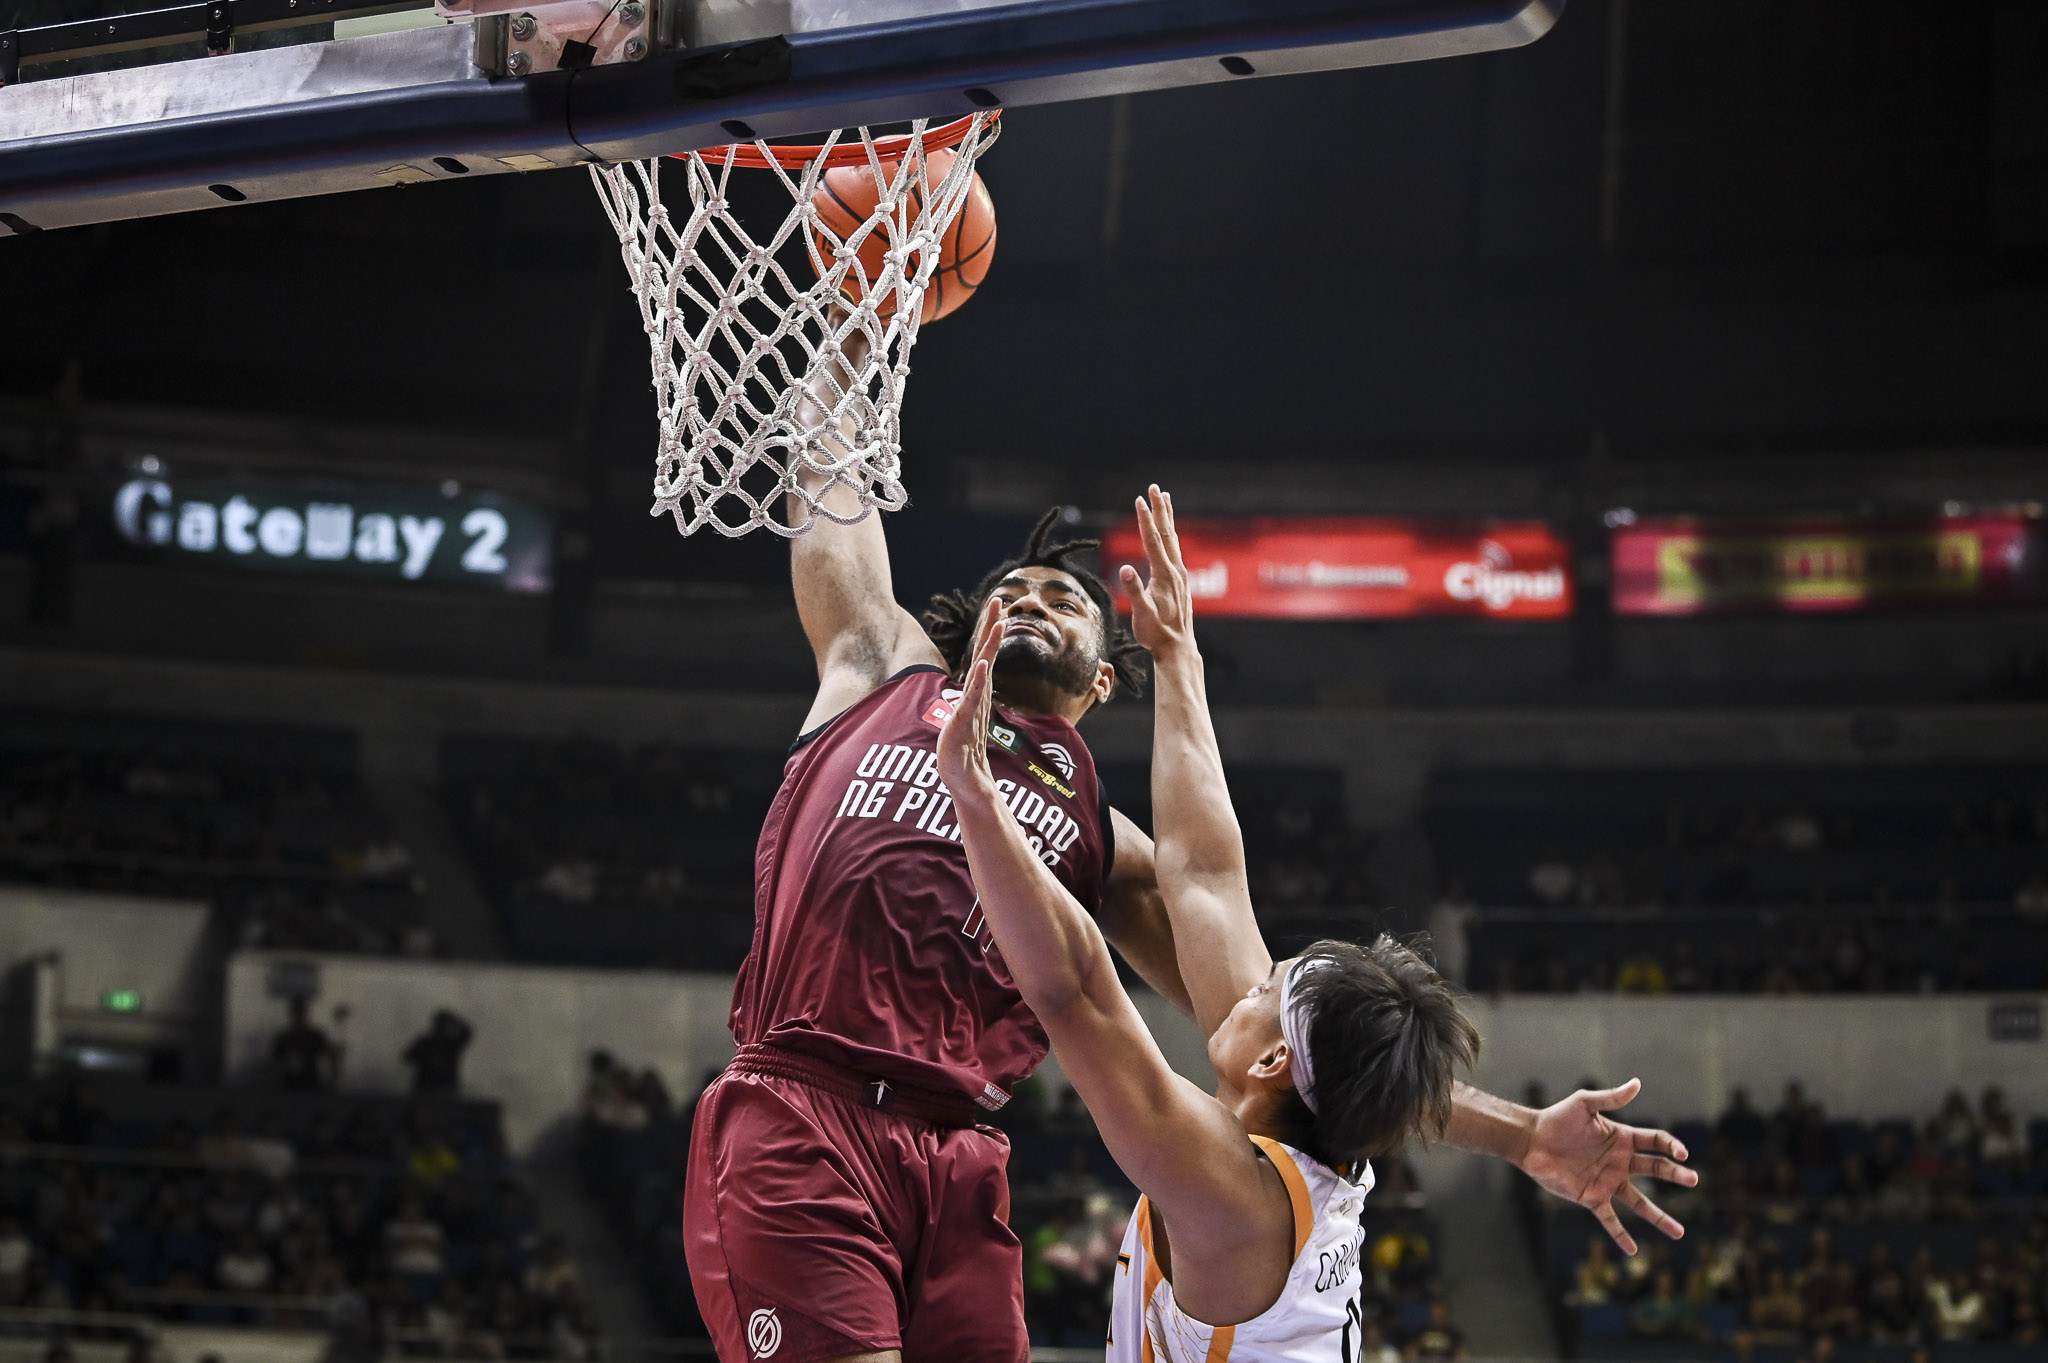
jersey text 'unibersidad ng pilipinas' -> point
(870, 950)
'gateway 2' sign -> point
(411, 535)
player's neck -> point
(1032, 696)
(1259, 1111)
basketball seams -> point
(838, 212)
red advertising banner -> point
(1692, 567)
(1354, 568)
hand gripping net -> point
(775, 390)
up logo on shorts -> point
(764, 1332)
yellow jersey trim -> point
(1297, 1192)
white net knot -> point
(780, 395)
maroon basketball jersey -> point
(870, 950)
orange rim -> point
(845, 153)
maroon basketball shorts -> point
(819, 1225)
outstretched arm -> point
(1572, 1149)
(1575, 1150)
(845, 594)
(1182, 1147)
(1200, 850)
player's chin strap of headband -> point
(1294, 1027)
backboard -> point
(481, 87)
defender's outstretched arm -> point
(1572, 1148)
(1179, 1145)
(1199, 849)
(845, 593)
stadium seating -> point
(288, 1211)
(270, 824)
(1872, 1235)
(1743, 879)
(596, 854)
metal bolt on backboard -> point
(518, 63)
(523, 26)
(635, 49)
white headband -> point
(1294, 1026)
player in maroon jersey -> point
(842, 1202)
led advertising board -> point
(1360, 568)
(398, 534)
(1695, 567)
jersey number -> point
(976, 921)
(1354, 1319)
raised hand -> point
(963, 743)
(1581, 1154)
(1162, 610)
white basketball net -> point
(776, 390)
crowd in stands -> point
(1308, 864)
(1818, 1240)
(271, 825)
(598, 854)
(1069, 1204)
(403, 1224)
(1740, 881)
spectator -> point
(1551, 878)
(1833, 1305)
(1777, 1314)
(244, 1267)
(1891, 1316)
(413, 1243)
(551, 1277)
(1373, 1346)
(1741, 1125)
(1959, 1309)
(16, 1253)
(1438, 1338)
(1665, 1313)
(1597, 1280)
(303, 1057)
(1954, 1128)
(435, 1056)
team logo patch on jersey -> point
(1003, 736)
(764, 1332)
(1060, 758)
(941, 710)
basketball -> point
(848, 196)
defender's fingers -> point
(1634, 1200)
(1650, 1166)
(1142, 606)
(1148, 531)
(1604, 1214)
(1606, 1100)
(1162, 516)
(1663, 1142)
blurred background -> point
(1620, 465)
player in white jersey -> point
(1246, 1243)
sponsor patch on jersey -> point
(941, 710)
(992, 1097)
(1042, 774)
(1003, 736)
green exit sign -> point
(122, 1000)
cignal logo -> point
(1494, 581)
(764, 1332)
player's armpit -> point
(845, 597)
(1134, 916)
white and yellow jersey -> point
(1315, 1320)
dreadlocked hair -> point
(951, 617)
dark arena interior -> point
(1612, 472)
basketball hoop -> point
(773, 391)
